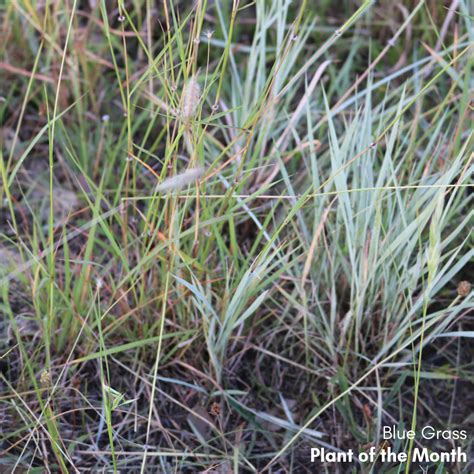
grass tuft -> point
(233, 231)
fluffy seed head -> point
(191, 96)
(180, 180)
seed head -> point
(45, 378)
(464, 288)
(191, 97)
(181, 180)
(215, 409)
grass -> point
(233, 231)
